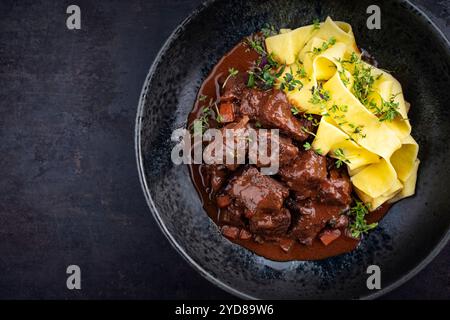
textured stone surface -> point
(69, 189)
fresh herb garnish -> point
(268, 30)
(325, 45)
(301, 72)
(257, 45)
(202, 97)
(357, 130)
(251, 80)
(232, 72)
(202, 122)
(363, 82)
(266, 69)
(345, 80)
(271, 61)
(295, 111)
(307, 146)
(219, 117)
(341, 159)
(269, 78)
(265, 77)
(353, 58)
(359, 224)
(319, 95)
(316, 24)
(289, 83)
(388, 110)
(304, 129)
(335, 108)
(363, 78)
(310, 117)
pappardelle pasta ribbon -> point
(364, 116)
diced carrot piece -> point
(226, 111)
(230, 232)
(286, 244)
(328, 236)
(244, 234)
(223, 201)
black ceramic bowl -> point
(414, 230)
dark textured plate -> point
(415, 229)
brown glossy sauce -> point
(241, 58)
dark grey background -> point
(69, 189)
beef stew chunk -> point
(233, 215)
(337, 189)
(341, 222)
(271, 223)
(305, 174)
(235, 134)
(232, 90)
(287, 151)
(313, 217)
(272, 110)
(328, 199)
(256, 192)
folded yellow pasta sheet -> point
(364, 115)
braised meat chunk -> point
(236, 136)
(271, 223)
(305, 174)
(313, 217)
(337, 189)
(232, 140)
(232, 89)
(272, 109)
(287, 151)
(256, 192)
(233, 215)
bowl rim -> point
(141, 171)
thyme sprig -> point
(388, 110)
(359, 225)
(341, 158)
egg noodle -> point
(364, 117)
